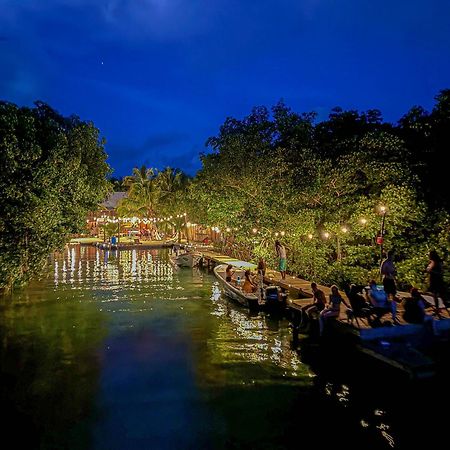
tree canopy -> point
(52, 173)
(319, 187)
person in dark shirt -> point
(414, 307)
(315, 307)
(388, 273)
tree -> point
(52, 173)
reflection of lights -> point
(216, 292)
(363, 221)
(249, 338)
(115, 268)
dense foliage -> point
(52, 173)
(319, 188)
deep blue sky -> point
(158, 77)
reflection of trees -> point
(49, 373)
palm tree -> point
(143, 193)
(173, 184)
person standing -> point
(388, 273)
(281, 253)
(261, 267)
(261, 273)
(436, 278)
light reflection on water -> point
(160, 354)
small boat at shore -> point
(250, 301)
(189, 259)
(266, 297)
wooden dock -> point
(300, 294)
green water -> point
(122, 351)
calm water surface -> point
(122, 351)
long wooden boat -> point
(236, 293)
(267, 297)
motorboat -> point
(234, 289)
(265, 297)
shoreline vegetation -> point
(337, 193)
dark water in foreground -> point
(122, 352)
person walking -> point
(281, 253)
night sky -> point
(158, 77)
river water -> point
(123, 351)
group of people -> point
(322, 309)
(250, 283)
(436, 285)
(378, 300)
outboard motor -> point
(272, 295)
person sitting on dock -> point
(359, 306)
(333, 309)
(414, 308)
(229, 273)
(249, 286)
(380, 302)
(315, 307)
